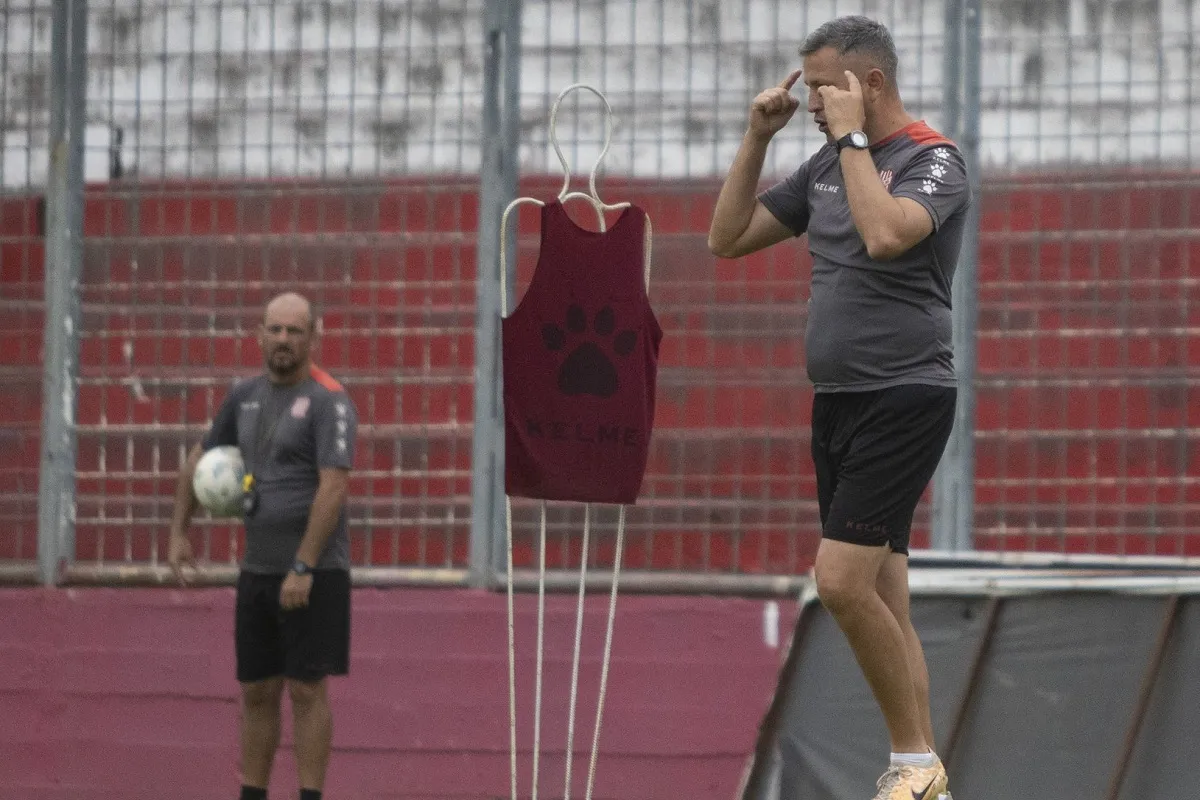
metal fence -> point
(360, 151)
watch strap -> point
(848, 141)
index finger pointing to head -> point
(852, 79)
(790, 80)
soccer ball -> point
(218, 481)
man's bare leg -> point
(892, 585)
(260, 730)
(313, 731)
(847, 576)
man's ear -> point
(876, 82)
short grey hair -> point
(856, 34)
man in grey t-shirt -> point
(883, 203)
(295, 427)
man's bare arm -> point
(323, 517)
(185, 498)
(741, 224)
(889, 226)
(179, 547)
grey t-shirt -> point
(875, 324)
(299, 430)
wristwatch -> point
(300, 568)
(855, 139)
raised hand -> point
(773, 108)
(844, 111)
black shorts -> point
(303, 644)
(874, 453)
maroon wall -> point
(130, 694)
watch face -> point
(858, 139)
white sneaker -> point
(909, 782)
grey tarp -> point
(1036, 694)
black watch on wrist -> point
(300, 568)
(855, 139)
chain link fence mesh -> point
(237, 148)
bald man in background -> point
(295, 426)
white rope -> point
(541, 628)
(512, 654)
(583, 559)
(612, 615)
(647, 253)
(504, 250)
(608, 115)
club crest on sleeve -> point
(885, 177)
(300, 407)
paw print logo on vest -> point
(588, 368)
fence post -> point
(497, 186)
(64, 264)
(954, 483)
(952, 67)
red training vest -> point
(580, 359)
